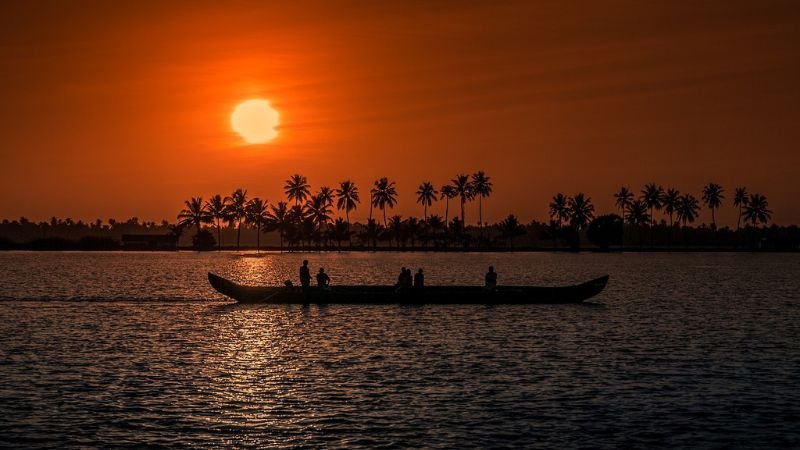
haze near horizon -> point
(119, 110)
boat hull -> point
(429, 295)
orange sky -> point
(119, 109)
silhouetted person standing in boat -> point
(305, 275)
(419, 280)
(323, 280)
(490, 280)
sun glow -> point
(256, 121)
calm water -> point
(689, 350)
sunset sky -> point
(119, 109)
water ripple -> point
(680, 351)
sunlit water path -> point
(699, 350)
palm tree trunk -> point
(238, 233)
(425, 211)
(622, 245)
(713, 220)
(219, 236)
(463, 224)
(258, 238)
(446, 212)
(480, 213)
(384, 216)
(671, 231)
(347, 215)
(370, 207)
(739, 220)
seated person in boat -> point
(305, 275)
(323, 280)
(401, 280)
(490, 280)
(419, 280)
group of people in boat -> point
(405, 281)
(323, 280)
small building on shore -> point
(149, 242)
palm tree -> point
(341, 230)
(347, 198)
(219, 208)
(623, 199)
(581, 210)
(175, 230)
(447, 193)
(371, 232)
(652, 195)
(464, 190)
(397, 228)
(326, 194)
(194, 214)
(279, 218)
(297, 188)
(670, 202)
(756, 211)
(434, 225)
(481, 187)
(687, 209)
(637, 217)
(426, 195)
(237, 212)
(296, 217)
(740, 200)
(414, 229)
(318, 210)
(383, 194)
(256, 214)
(559, 209)
(712, 197)
(510, 228)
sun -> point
(255, 120)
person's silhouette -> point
(419, 280)
(323, 280)
(305, 275)
(490, 280)
(401, 278)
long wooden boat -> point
(427, 295)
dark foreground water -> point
(682, 350)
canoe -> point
(427, 295)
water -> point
(120, 349)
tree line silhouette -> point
(639, 212)
(305, 220)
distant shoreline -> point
(251, 251)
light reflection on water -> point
(681, 350)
